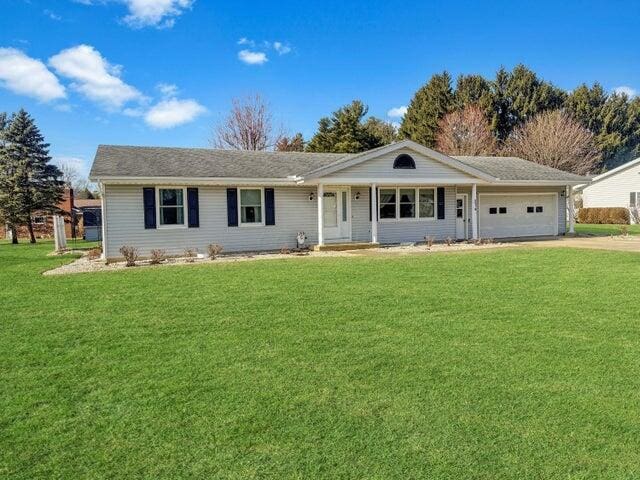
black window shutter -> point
(370, 197)
(440, 203)
(149, 198)
(269, 206)
(193, 207)
(232, 207)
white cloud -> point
(173, 112)
(628, 91)
(281, 48)
(28, 76)
(155, 13)
(167, 89)
(397, 112)
(94, 76)
(52, 15)
(252, 58)
(246, 41)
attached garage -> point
(517, 215)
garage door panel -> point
(503, 216)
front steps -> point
(339, 247)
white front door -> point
(461, 216)
(336, 214)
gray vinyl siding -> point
(381, 169)
(398, 231)
(125, 223)
(562, 200)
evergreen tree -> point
(473, 90)
(28, 182)
(502, 119)
(528, 95)
(429, 104)
(385, 131)
(344, 132)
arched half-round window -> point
(404, 161)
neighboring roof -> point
(87, 202)
(125, 161)
(612, 172)
(518, 169)
(153, 162)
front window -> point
(427, 203)
(251, 206)
(387, 203)
(407, 203)
(171, 202)
(39, 220)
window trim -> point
(262, 208)
(185, 209)
(416, 217)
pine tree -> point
(529, 95)
(344, 132)
(502, 119)
(429, 104)
(473, 90)
(385, 131)
(28, 182)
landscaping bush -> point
(428, 240)
(94, 253)
(190, 255)
(213, 249)
(157, 256)
(130, 255)
(604, 216)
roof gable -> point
(612, 173)
(400, 147)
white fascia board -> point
(393, 181)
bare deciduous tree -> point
(465, 132)
(554, 139)
(249, 126)
(70, 174)
(290, 144)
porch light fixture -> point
(357, 196)
(312, 196)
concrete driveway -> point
(630, 243)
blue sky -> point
(163, 72)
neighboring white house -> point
(178, 198)
(619, 187)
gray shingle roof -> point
(127, 161)
(517, 169)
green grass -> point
(514, 363)
(604, 230)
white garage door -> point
(502, 216)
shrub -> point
(130, 255)
(94, 253)
(428, 240)
(609, 215)
(213, 250)
(190, 255)
(157, 256)
(624, 230)
(488, 241)
(449, 241)
(285, 250)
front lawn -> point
(604, 230)
(513, 363)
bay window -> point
(403, 203)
